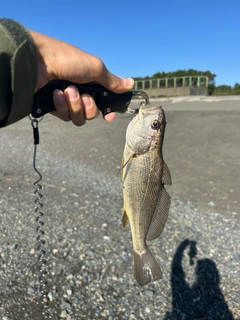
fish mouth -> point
(147, 109)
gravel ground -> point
(89, 254)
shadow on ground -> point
(201, 300)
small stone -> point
(65, 305)
(14, 246)
(149, 293)
(69, 292)
(30, 289)
(211, 203)
(63, 314)
(90, 253)
(69, 276)
(76, 300)
(50, 296)
(147, 310)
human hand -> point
(59, 60)
(192, 251)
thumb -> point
(114, 83)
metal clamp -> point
(141, 94)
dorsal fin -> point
(160, 216)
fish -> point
(144, 176)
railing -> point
(176, 82)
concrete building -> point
(179, 86)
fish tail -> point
(146, 268)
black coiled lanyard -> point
(40, 238)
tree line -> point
(212, 88)
(224, 89)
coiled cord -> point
(40, 241)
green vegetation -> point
(224, 90)
(212, 88)
(181, 73)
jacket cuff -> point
(23, 71)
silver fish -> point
(146, 201)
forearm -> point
(29, 60)
(18, 76)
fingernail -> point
(87, 102)
(72, 93)
(58, 95)
(128, 82)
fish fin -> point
(124, 218)
(124, 164)
(166, 177)
(146, 268)
(160, 216)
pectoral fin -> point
(125, 163)
(160, 216)
(124, 218)
(166, 178)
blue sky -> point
(140, 38)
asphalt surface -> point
(89, 254)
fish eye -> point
(155, 124)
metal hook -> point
(34, 119)
(141, 94)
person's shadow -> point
(204, 299)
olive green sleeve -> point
(18, 72)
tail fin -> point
(146, 268)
